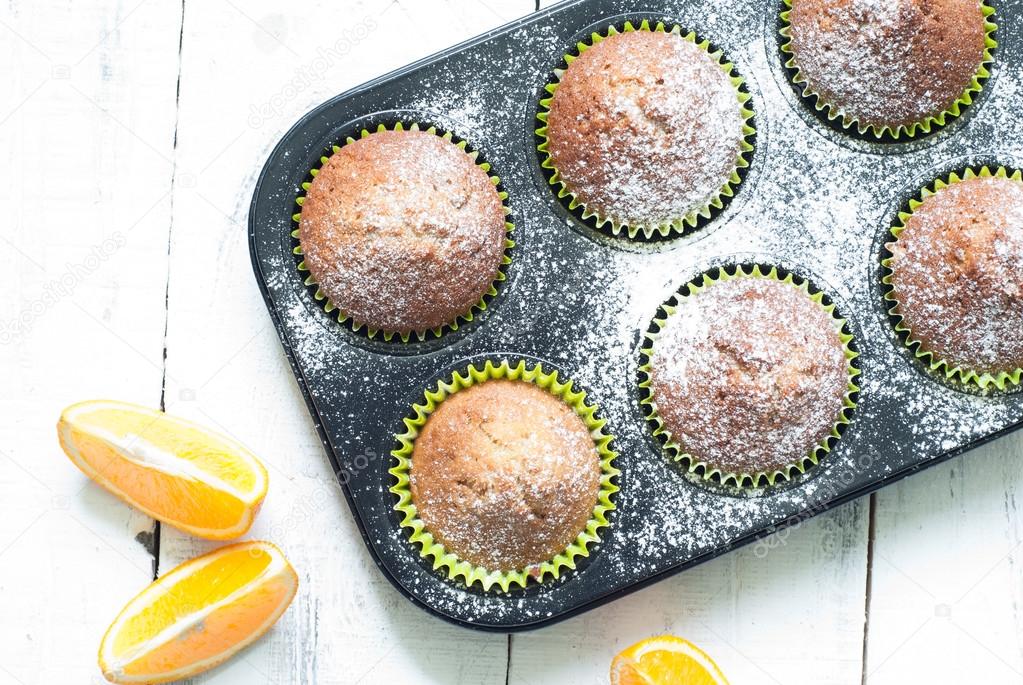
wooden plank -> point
(86, 139)
(254, 63)
(948, 573)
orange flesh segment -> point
(204, 587)
(192, 502)
(172, 469)
(199, 614)
(188, 442)
(665, 660)
(216, 634)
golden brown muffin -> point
(749, 375)
(402, 231)
(505, 475)
(957, 274)
(887, 63)
(645, 127)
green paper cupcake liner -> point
(1005, 380)
(361, 327)
(680, 225)
(677, 451)
(834, 114)
(430, 548)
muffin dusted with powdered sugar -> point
(505, 475)
(749, 376)
(646, 130)
(888, 64)
(403, 231)
(957, 276)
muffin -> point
(402, 232)
(955, 277)
(505, 475)
(749, 377)
(646, 130)
(889, 66)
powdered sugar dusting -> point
(385, 220)
(505, 475)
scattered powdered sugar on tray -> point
(816, 201)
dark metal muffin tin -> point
(816, 201)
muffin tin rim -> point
(599, 598)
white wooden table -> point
(131, 132)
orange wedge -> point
(665, 660)
(174, 470)
(198, 615)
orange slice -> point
(198, 615)
(665, 660)
(174, 470)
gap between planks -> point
(871, 516)
(155, 547)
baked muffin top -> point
(504, 474)
(957, 274)
(644, 128)
(749, 375)
(402, 231)
(887, 62)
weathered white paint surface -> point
(86, 149)
(947, 575)
(88, 123)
